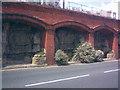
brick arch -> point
(104, 38)
(25, 19)
(33, 22)
(69, 23)
(69, 29)
(104, 27)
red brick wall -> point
(51, 18)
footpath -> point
(30, 66)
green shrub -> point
(99, 55)
(61, 58)
(39, 58)
(110, 54)
(40, 53)
(86, 54)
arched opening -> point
(67, 38)
(103, 40)
(20, 41)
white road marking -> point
(47, 82)
(111, 70)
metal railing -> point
(75, 7)
(90, 10)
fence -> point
(90, 10)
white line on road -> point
(111, 70)
(47, 82)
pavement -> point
(95, 75)
(30, 66)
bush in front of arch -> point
(86, 54)
(61, 57)
(39, 58)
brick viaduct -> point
(51, 19)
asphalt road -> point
(99, 75)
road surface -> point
(98, 75)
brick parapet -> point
(51, 15)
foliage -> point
(99, 55)
(110, 52)
(61, 58)
(86, 54)
(40, 53)
(39, 58)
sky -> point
(102, 4)
(107, 5)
